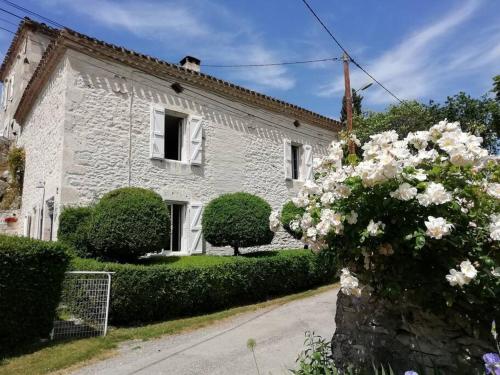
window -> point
(173, 137)
(295, 162)
(298, 161)
(176, 136)
(177, 215)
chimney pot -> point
(191, 63)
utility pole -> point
(348, 101)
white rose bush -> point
(414, 219)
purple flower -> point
(492, 363)
(411, 372)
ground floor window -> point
(177, 217)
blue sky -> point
(422, 50)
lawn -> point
(58, 356)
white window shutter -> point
(196, 237)
(27, 226)
(308, 163)
(287, 156)
(157, 147)
(5, 93)
(11, 88)
(195, 125)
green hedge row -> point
(145, 293)
(31, 274)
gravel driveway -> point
(221, 348)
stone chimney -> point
(191, 63)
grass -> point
(59, 357)
(197, 260)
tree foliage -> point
(237, 220)
(356, 106)
(128, 223)
(478, 116)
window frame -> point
(296, 161)
(182, 142)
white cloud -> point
(422, 62)
(200, 28)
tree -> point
(356, 106)
(237, 220)
(403, 118)
(496, 87)
(479, 116)
(128, 223)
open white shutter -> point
(308, 163)
(27, 226)
(5, 93)
(195, 124)
(196, 238)
(287, 158)
(157, 133)
(11, 88)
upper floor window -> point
(176, 137)
(298, 160)
(295, 162)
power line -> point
(186, 88)
(347, 53)
(9, 22)
(272, 64)
(18, 7)
(12, 14)
(7, 30)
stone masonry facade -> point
(89, 131)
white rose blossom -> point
(352, 218)
(274, 221)
(493, 189)
(435, 193)
(494, 227)
(437, 227)
(374, 229)
(404, 192)
(463, 277)
(349, 284)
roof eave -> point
(24, 27)
(159, 68)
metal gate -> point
(84, 307)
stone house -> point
(93, 117)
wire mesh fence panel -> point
(83, 310)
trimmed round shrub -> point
(289, 213)
(128, 223)
(237, 220)
(31, 275)
(74, 229)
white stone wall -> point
(106, 122)
(42, 139)
(25, 63)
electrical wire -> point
(9, 22)
(272, 64)
(7, 30)
(186, 88)
(18, 7)
(347, 53)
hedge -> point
(74, 229)
(31, 274)
(154, 292)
